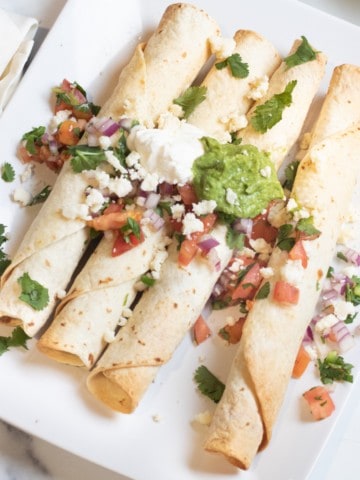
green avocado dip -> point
(240, 178)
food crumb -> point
(156, 418)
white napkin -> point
(16, 41)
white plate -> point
(90, 44)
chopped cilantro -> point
(284, 241)
(33, 139)
(235, 239)
(190, 99)
(333, 368)
(350, 318)
(238, 68)
(352, 292)
(121, 150)
(208, 384)
(18, 338)
(220, 304)
(85, 157)
(303, 54)
(33, 293)
(306, 225)
(263, 291)
(7, 172)
(4, 260)
(341, 256)
(147, 280)
(131, 226)
(270, 113)
(41, 196)
(290, 173)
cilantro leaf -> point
(290, 174)
(147, 280)
(33, 139)
(18, 338)
(208, 384)
(284, 241)
(190, 99)
(270, 113)
(235, 239)
(303, 54)
(238, 68)
(41, 196)
(333, 368)
(306, 225)
(85, 157)
(131, 226)
(263, 291)
(352, 292)
(33, 293)
(7, 172)
(4, 260)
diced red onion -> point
(166, 189)
(343, 337)
(125, 123)
(92, 140)
(331, 294)
(155, 219)
(217, 290)
(308, 336)
(214, 259)
(152, 200)
(352, 256)
(53, 147)
(207, 243)
(109, 127)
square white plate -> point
(89, 43)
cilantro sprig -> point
(304, 53)
(352, 292)
(85, 157)
(7, 172)
(334, 368)
(238, 68)
(208, 384)
(190, 99)
(18, 338)
(270, 113)
(32, 292)
(32, 139)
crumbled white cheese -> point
(177, 211)
(266, 171)
(204, 207)
(259, 87)
(311, 351)
(60, 294)
(101, 178)
(266, 272)
(343, 308)
(58, 118)
(234, 122)
(176, 110)
(231, 196)
(126, 312)
(104, 142)
(120, 186)
(222, 47)
(326, 322)
(291, 205)
(277, 215)
(132, 159)
(21, 196)
(236, 265)
(109, 336)
(94, 199)
(204, 418)
(156, 263)
(27, 173)
(260, 246)
(292, 272)
(150, 182)
(80, 211)
(192, 224)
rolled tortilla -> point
(64, 340)
(285, 133)
(258, 378)
(165, 312)
(112, 380)
(51, 233)
(213, 114)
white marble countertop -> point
(23, 457)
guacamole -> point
(240, 178)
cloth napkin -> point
(16, 42)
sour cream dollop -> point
(168, 151)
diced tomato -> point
(232, 333)
(113, 220)
(122, 245)
(284, 292)
(301, 362)
(298, 253)
(201, 330)
(248, 285)
(188, 195)
(262, 229)
(113, 207)
(69, 132)
(320, 402)
(187, 251)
